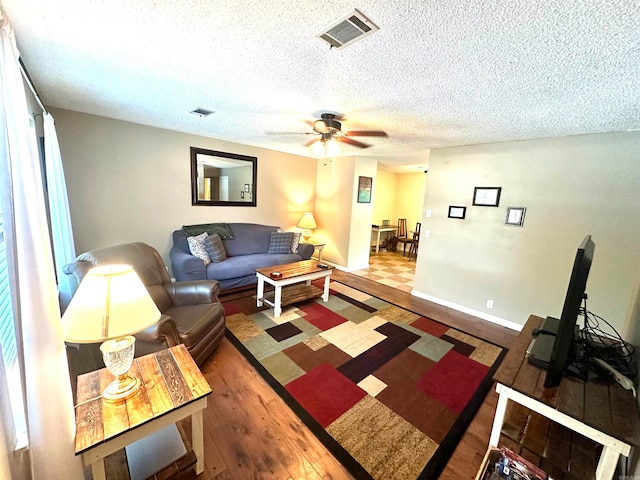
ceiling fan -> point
(328, 128)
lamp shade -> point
(111, 302)
(307, 222)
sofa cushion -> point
(250, 238)
(215, 248)
(197, 247)
(245, 265)
(280, 242)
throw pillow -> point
(280, 242)
(196, 247)
(295, 242)
(215, 248)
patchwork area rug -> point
(388, 391)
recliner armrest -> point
(165, 329)
(193, 292)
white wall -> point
(571, 186)
(129, 182)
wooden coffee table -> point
(291, 274)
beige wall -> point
(344, 224)
(398, 195)
(384, 194)
(129, 182)
(571, 186)
(408, 201)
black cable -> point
(595, 342)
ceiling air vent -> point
(202, 112)
(347, 30)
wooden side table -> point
(172, 388)
(316, 246)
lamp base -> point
(121, 388)
(118, 356)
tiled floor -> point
(390, 268)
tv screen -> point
(561, 355)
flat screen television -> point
(561, 352)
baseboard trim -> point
(470, 311)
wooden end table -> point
(290, 274)
(172, 388)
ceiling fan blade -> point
(308, 144)
(353, 142)
(287, 133)
(367, 133)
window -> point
(8, 344)
(7, 336)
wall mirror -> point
(223, 179)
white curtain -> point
(61, 231)
(49, 406)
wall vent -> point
(347, 30)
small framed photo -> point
(247, 187)
(457, 212)
(364, 189)
(515, 216)
(486, 196)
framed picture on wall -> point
(457, 212)
(486, 196)
(364, 189)
(515, 216)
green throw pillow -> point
(222, 229)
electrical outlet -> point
(489, 303)
(427, 233)
(428, 213)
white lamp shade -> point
(308, 222)
(111, 302)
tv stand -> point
(540, 422)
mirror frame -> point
(195, 151)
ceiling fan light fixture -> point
(325, 148)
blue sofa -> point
(246, 252)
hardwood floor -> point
(250, 433)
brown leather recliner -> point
(191, 311)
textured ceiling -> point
(438, 73)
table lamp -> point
(110, 306)
(307, 223)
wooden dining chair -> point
(413, 250)
(403, 236)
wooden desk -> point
(172, 388)
(385, 228)
(601, 411)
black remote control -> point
(322, 265)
